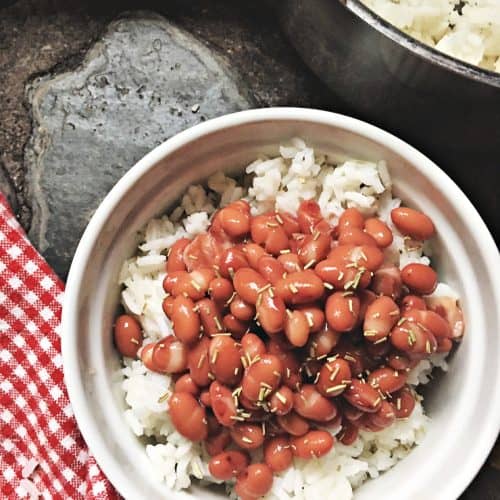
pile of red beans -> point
(285, 327)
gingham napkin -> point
(42, 453)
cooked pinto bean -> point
(225, 360)
(231, 260)
(252, 346)
(342, 311)
(228, 464)
(309, 403)
(281, 401)
(168, 306)
(185, 319)
(448, 308)
(411, 338)
(413, 223)
(419, 278)
(384, 416)
(236, 223)
(169, 355)
(147, 356)
(241, 310)
(403, 402)
(296, 328)
(348, 434)
(223, 404)
(363, 396)
(270, 268)
(413, 302)
(198, 363)
(278, 453)
(381, 316)
(315, 317)
(387, 281)
(270, 312)
(301, 287)
(175, 260)
(379, 231)
(262, 377)
(351, 217)
(290, 262)
(356, 236)
(253, 253)
(334, 378)
(188, 416)
(218, 442)
(247, 436)
(323, 342)
(293, 423)
(314, 248)
(387, 380)
(254, 482)
(398, 361)
(128, 335)
(314, 444)
(249, 284)
(234, 325)
(185, 383)
(210, 316)
(220, 290)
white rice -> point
(468, 30)
(281, 183)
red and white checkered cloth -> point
(37, 425)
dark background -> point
(247, 31)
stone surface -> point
(144, 81)
(7, 189)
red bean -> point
(290, 262)
(348, 434)
(254, 482)
(168, 306)
(170, 355)
(267, 231)
(419, 278)
(171, 280)
(220, 290)
(175, 261)
(270, 312)
(362, 396)
(194, 284)
(355, 356)
(231, 260)
(308, 215)
(205, 398)
(188, 416)
(198, 363)
(403, 402)
(413, 302)
(314, 444)
(234, 325)
(379, 231)
(296, 328)
(281, 401)
(210, 316)
(186, 322)
(351, 217)
(247, 436)
(289, 222)
(223, 404)
(413, 223)
(128, 335)
(448, 308)
(351, 413)
(252, 346)
(323, 342)
(315, 317)
(334, 377)
(278, 454)
(147, 356)
(301, 287)
(387, 380)
(234, 222)
(398, 362)
(309, 403)
(218, 443)
(435, 323)
(270, 268)
(381, 316)
(369, 257)
(342, 311)
(253, 253)
(314, 248)
(241, 310)
(333, 271)
(203, 252)
(387, 281)
(384, 416)
(185, 383)
(411, 338)
(262, 376)
(293, 423)
(224, 359)
(357, 237)
(228, 464)
(248, 284)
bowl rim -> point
(419, 48)
(69, 348)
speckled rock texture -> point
(144, 81)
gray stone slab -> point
(144, 81)
(7, 189)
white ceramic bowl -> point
(464, 405)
